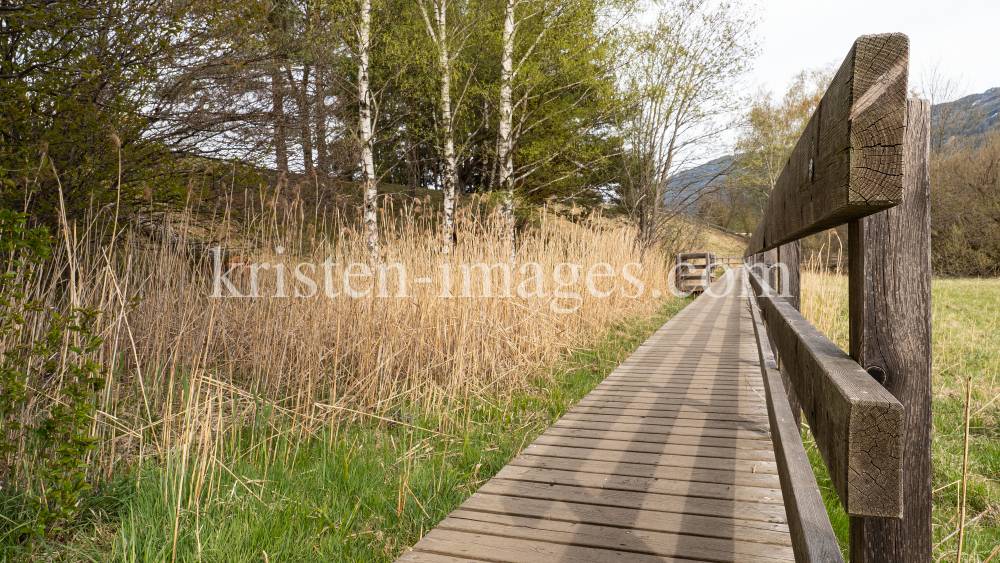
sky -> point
(961, 36)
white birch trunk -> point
(365, 129)
(449, 176)
(504, 144)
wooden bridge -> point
(691, 449)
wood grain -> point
(890, 316)
(857, 424)
(848, 163)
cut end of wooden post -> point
(848, 163)
(874, 461)
(878, 118)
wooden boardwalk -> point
(668, 459)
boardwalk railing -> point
(861, 161)
(695, 271)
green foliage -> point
(23, 250)
(49, 446)
(63, 435)
(76, 80)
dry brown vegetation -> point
(965, 203)
(185, 369)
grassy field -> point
(360, 492)
(966, 330)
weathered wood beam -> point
(813, 539)
(890, 314)
(790, 255)
(848, 163)
(858, 425)
(693, 256)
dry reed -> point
(186, 369)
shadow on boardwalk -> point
(668, 459)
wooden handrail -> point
(862, 160)
(848, 163)
(813, 538)
(856, 422)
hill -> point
(966, 117)
(953, 122)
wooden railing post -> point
(890, 336)
(789, 255)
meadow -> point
(966, 346)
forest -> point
(590, 102)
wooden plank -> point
(665, 458)
(812, 534)
(729, 436)
(890, 295)
(755, 410)
(704, 366)
(658, 386)
(654, 521)
(668, 383)
(513, 550)
(704, 372)
(651, 543)
(647, 447)
(695, 373)
(703, 356)
(726, 396)
(693, 409)
(733, 412)
(724, 402)
(731, 398)
(857, 424)
(708, 419)
(681, 425)
(848, 162)
(684, 256)
(644, 485)
(648, 500)
(690, 428)
(425, 557)
(656, 438)
(676, 391)
(695, 477)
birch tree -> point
(505, 148)
(442, 37)
(368, 183)
(556, 76)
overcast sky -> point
(964, 35)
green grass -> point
(966, 344)
(359, 492)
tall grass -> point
(966, 325)
(200, 382)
